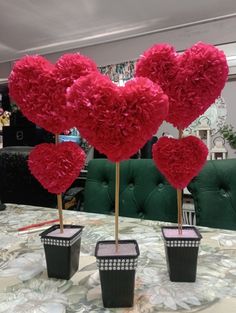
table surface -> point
(25, 287)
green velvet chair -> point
(144, 192)
(214, 194)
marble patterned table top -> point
(25, 287)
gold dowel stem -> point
(179, 200)
(179, 203)
(59, 198)
(117, 191)
(59, 207)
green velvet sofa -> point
(144, 192)
(214, 194)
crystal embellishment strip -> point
(60, 242)
(117, 264)
(182, 243)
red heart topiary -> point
(56, 166)
(192, 80)
(39, 88)
(179, 160)
(117, 120)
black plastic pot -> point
(117, 275)
(62, 253)
(182, 255)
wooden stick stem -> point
(59, 207)
(179, 200)
(117, 191)
(179, 203)
(59, 198)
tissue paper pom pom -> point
(25, 75)
(192, 80)
(56, 166)
(117, 120)
(39, 88)
(179, 160)
(71, 66)
(159, 63)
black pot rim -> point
(56, 226)
(118, 256)
(183, 238)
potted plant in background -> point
(229, 135)
(39, 89)
(117, 121)
(192, 80)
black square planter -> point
(62, 253)
(117, 275)
(182, 255)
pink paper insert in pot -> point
(109, 249)
(174, 233)
(67, 232)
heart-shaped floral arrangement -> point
(117, 120)
(179, 160)
(39, 88)
(192, 80)
(56, 166)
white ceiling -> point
(45, 26)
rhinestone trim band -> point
(60, 242)
(182, 243)
(119, 264)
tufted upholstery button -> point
(141, 215)
(160, 185)
(223, 192)
(131, 185)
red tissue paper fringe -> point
(56, 166)
(117, 121)
(179, 160)
(39, 88)
(192, 80)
